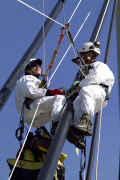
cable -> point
(74, 11)
(101, 97)
(98, 147)
(68, 33)
(63, 13)
(68, 49)
(40, 12)
(102, 20)
(73, 39)
(24, 141)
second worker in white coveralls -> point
(94, 91)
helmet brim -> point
(38, 61)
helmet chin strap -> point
(88, 58)
(32, 73)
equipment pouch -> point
(27, 102)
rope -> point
(98, 147)
(40, 13)
(102, 20)
(101, 96)
(68, 48)
(74, 11)
(68, 33)
(43, 40)
(63, 13)
(24, 141)
(73, 39)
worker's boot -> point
(84, 126)
(78, 141)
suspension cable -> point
(102, 20)
(73, 40)
(40, 12)
(68, 32)
(68, 49)
(101, 96)
(74, 11)
(98, 147)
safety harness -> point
(85, 69)
(33, 155)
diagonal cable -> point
(40, 12)
(69, 47)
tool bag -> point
(32, 157)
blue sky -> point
(19, 26)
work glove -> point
(73, 88)
(53, 92)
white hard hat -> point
(91, 46)
(39, 61)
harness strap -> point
(106, 88)
(27, 102)
(21, 129)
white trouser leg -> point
(57, 107)
(49, 108)
(88, 101)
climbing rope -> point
(24, 141)
(60, 24)
(102, 20)
(66, 28)
(98, 147)
(68, 49)
(73, 40)
(22, 146)
(69, 34)
(43, 39)
(74, 11)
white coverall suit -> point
(91, 94)
(88, 102)
(49, 107)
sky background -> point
(19, 26)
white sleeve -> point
(100, 73)
(29, 87)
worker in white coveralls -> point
(94, 92)
(28, 95)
